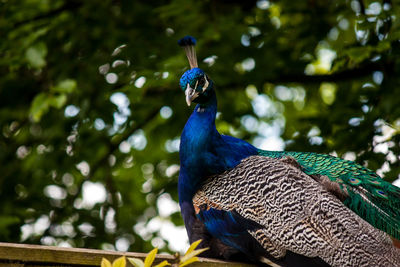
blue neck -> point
(197, 138)
(204, 152)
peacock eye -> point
(201, 82)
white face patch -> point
(206, 83)
(190, 94)
(200, 110)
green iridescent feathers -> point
(372, 198)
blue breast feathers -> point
(203, 151)
(230, 228)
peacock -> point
(278, 207)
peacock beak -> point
(191, 94)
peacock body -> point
(242, 220)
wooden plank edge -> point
(81, 256)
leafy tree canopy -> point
(89, 98)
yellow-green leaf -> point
(190, 261)
(35, 55)
(190, 255)
(105, 263)
(150, 258)
(162, 264)
(193, 246)
(359, 54)
(39, 106)
(328, 92)
(136, 262)
(120, 262)
(58, 101)
(65, 86)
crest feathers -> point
(188, 43)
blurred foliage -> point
(89, 96)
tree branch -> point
(340, 76)
(69, 5)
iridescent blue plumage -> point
(230, 228)
(187, 41)
(203, 151)
(190, 77)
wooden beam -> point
(20, 255)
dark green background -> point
(274, 53)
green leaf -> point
(42, 102)
(39, 106)
(136, 262)
(150, 258)
(193, 246)
(105, 263)
(383, 46)
(328, 92)
(65, 86)
(359, 54)
(58, 101)
(120, 262)
(192, 254)
(35, 55)
(162, 264)
(190, 261)
(6, 221)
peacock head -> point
(196, 85)
(194, 82)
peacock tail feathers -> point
(290, 211)
(368, 195)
